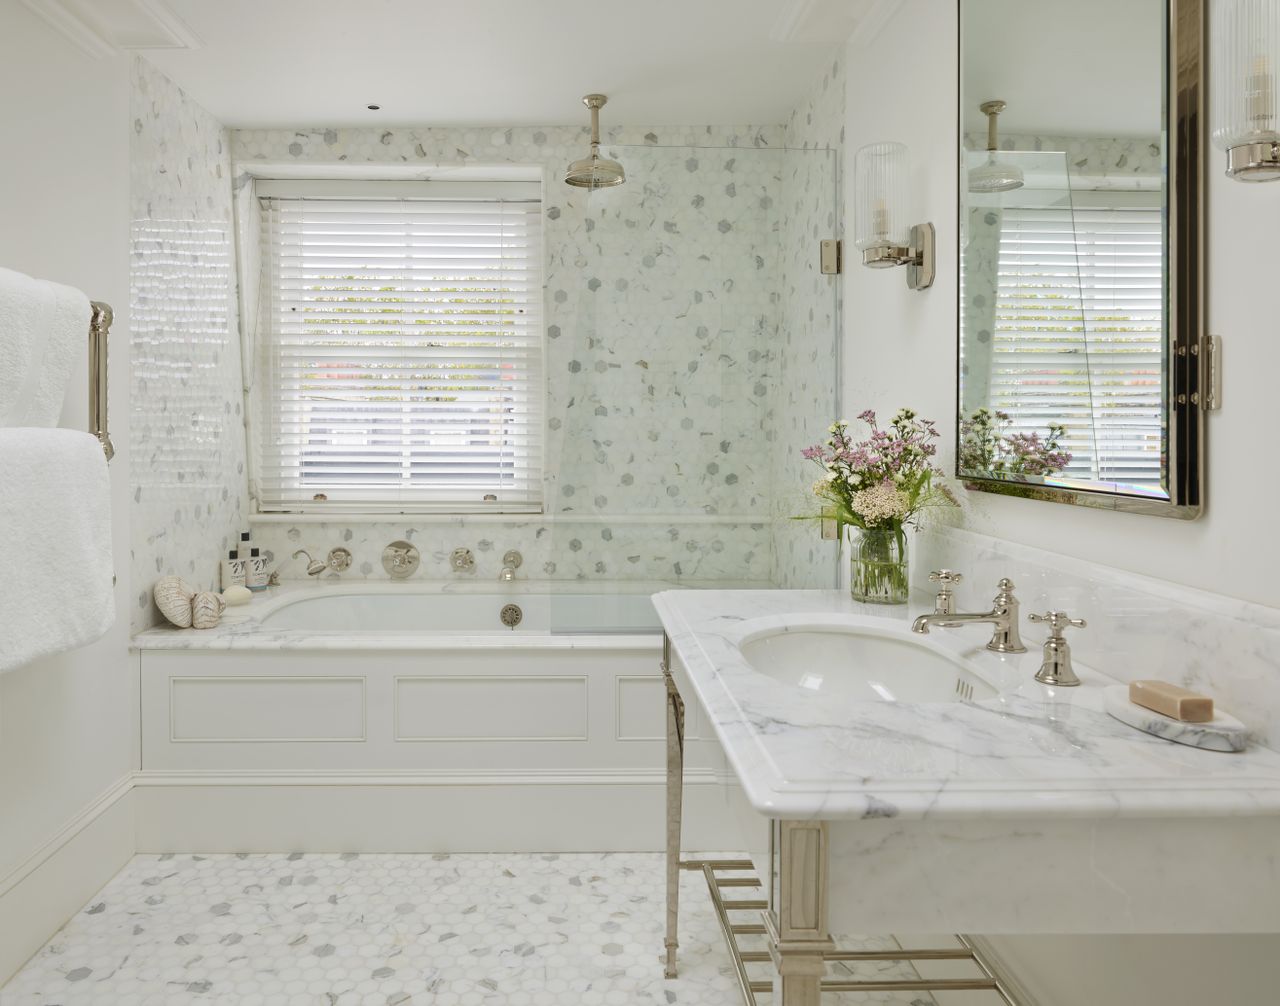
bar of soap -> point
(1174, 702)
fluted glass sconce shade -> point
(882, 224)
(1246, 61)
(880, 216)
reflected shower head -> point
(594, 171)
(994, 175)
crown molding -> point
(99, 29)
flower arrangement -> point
(883, 482)
(987, 446)
(879, 486)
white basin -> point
(867, 664)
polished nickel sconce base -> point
(920, 259)
(1254, 162)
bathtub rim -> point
(242, 628)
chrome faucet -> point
(1057, 669)
(944, 601)
(338, 560)
(512, 561)
(1003, 615)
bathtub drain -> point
(511, 615)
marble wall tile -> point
(186, 424)
(807, 347)
(663, 311)
(562, 548)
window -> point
(400, 346)
(1079, 333)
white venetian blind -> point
(401, 332)
(1079, 336)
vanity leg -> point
(675, 786)
(797, 916)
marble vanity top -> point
(1033, 750)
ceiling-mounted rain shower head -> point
(594, 171)
(993, 175)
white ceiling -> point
(509, 62)
(1066, 67)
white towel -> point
(44, 329)
(55, 515)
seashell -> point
(236, 594)
(206, 609)
(173, 597)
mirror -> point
(1080, 347)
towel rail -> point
(99, 326)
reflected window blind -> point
(403, 351)
(1079, 335)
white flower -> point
(879, 503)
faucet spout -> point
(1003, 615)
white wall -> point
(900, 350)
(67, 724)
(900, 345)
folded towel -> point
(55, 509)
(44, 329)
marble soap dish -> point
(1222, 733)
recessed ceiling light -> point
(373, 108)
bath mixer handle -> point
(1056, 668)
(944, 602)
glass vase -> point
(878, 565)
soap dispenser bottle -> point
(255, 571)
(233, 571)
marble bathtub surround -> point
(186, 426)
(242, 627)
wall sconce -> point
(1246, 38)
(882, 172)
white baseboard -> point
(424, 813)
(154, 812)
(38, 897)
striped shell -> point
(206, 609)
(173, 597)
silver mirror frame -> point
(1188, 344)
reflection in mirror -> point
(1064, 309)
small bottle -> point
(255, 574)
(233, 571)
(243, 551)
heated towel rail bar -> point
(99, 326)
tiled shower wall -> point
(807, 351)
(186, 423)
(696, 283)
(669, 289)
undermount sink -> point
(863, 663)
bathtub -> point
(410, 716)
(535, 608)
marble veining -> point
(186, 429)
(1139, 627)
(1030, 750)
(399, 930)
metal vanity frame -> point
(793, 914)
